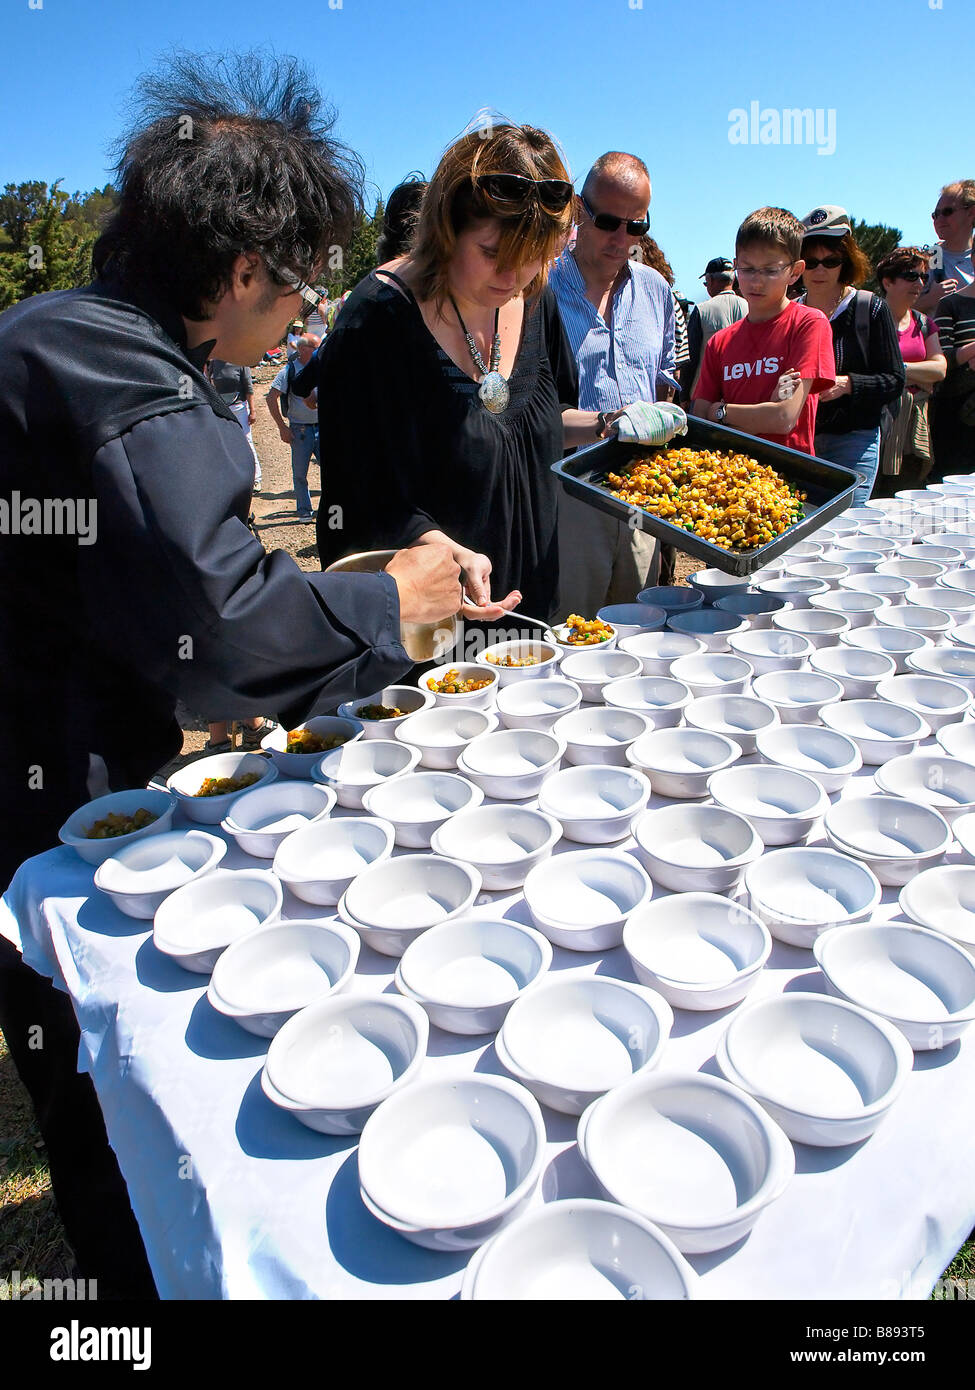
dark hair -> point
(226, 154)
(650, 254)
(771, 227)
(855, 268)
(900, 259)
(399, 218)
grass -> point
(31, 1236)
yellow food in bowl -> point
(451, 684)
(586, 632)
(304, 741)
(379, 712)
(220, 786)
(116, 824)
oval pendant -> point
(493, 391)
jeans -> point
(240, 410)
(304, 443)
(860, 450)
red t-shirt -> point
(743, 362)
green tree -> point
(359, 257)
(50, 251)
(874, 240)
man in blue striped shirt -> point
(619, 318)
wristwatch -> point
(720, 413)
(601, 430)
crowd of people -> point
(507, 322)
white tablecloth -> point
(236, 1199)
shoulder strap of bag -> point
(861, 322)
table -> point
(236, 1199)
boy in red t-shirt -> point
(762, 375)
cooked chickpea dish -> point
(730, 500)
(220, 786)
(116, 824)
(586, 632)
(379, 712)
(512, 660)
(304, 741)
(452, 684)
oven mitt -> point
(646, 422)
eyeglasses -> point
(912, 275)
(764, 272)
(515, 192)
(943, 212)
(606, 222)
(828, 262)
(311, 297)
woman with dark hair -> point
(870, 371)
(906, 453)
(446, 388)
(399, 218)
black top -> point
(164, 592)
(956, 328)
(409, 452)
(877, 378)
(232, 384)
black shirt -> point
(877, 378)
(408, 452)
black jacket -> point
(877, 378)
(169, 594)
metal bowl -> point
(423, 641)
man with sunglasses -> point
(619, 318)
(951, 265)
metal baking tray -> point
(828, 489)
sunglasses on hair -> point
(606, 222)
(311, 297)
(514, 191)
(827, 262)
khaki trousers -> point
(601, 560)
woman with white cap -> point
(869, 367)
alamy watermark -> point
(18, 1288)
(49, 516)
(793, 125)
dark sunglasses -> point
(912, 275)
(606, 222)
(829, 262)
(943, 212)
(515, 192)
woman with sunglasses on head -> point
(953, 407)
(906, 453)
(447, 389)
(951, 266)
(869, 367)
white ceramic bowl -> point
(141, 874)
(596, 804)
(265, 977)
(921, 983)
(570, 1041)
(958, 741)
(537, 704)
(756, 608)
(544, 655)
(593, 669)
(194, 924)
(502, 842)
(738, 717)
(962, 635)
(318, 863)
(680, 761)
(630, 618)
(860, 561)
(393, 901)
(938, 701)
(963, 579)
(858, 609)
(353, 770)
(958, 540)
(512, 764)
(697, 849)
(896, 838)
(802, 891)
(800, 697)
(929, 622)
(405, 697)
(828, 757)
(825, 1070)
(468, 972)
(712, 673)
(891, 641)
(580, 900)
(660, 699)
(442, 734)
(830, 570)
(448, 1163)
(959, 604)
(701, 951)
(859, 672)
(333, 1063)
(579, 1250)
(715, 584)
(657, 650)
(943, 554)
(817, 627)
(261, 820)
(210, 810)
(674, 598)
(601, 735)
(793, 589)
(466, 671)
(880, 730)
(300, 764)
(558, 636)
(781, 805)
(951, 663)
(770, 649)
(943, 900)
(802, 552)
(892, 587)
(712, 626)
(73, 832)
(691, 1153)
(415, 805)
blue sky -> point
(658, 79)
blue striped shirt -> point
(631, 357)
